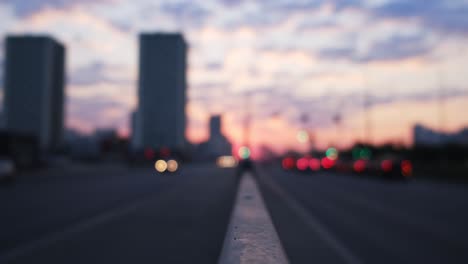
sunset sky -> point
(295, 57)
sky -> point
(383, 64)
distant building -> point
(34, 89)
(217, 145)
(215, 126)
(423, 136)
(160, 118)
(80, 146)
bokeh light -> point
(386, 165)
(332, 153)
(327, 163)
(160, 165)
(226, 162)
(288, 163)
(302, 136)
(406, 168)
(359, 166)
(314, 164)
(362, 153)
(172, 165)
(302, 164)
(149, 154)
(244, 152)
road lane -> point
(41, 203)
(178, 219)
(380, 222)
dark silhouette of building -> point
(423, 136)
(160, 118)
(215, 126)
(217, 145)
(34, 89)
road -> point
(346, 219)
(116, 214)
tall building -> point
(34, 89)
(160, 119)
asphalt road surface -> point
(329, 218)
(116, 214)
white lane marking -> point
(79, 227)
(314, 223)
(251, 236)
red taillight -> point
(149, 154)
(359, 166)
(406, 168)
(386, 165)
(327, 163)
(288, 163)
(314, 164)
(165, 152)
(302, 164)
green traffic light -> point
(244, 152)
(332, 153)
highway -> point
(118, 214)
(332, 218)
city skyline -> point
(296, 58)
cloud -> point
(97, 112)
(449, 93)
(97, 73)
(232, 3)
(337, 53)
(444, 16)
(396, 48)
(393, 48)
(186, 12)
(26, 8)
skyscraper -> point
(160, 119)
(34, 89)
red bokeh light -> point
(406, 168)
(149, 154)
(359, 166)
(386, 165)
(165, 152)
(302, 164)
(327, 163)
(288, 163)
(314, 164)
